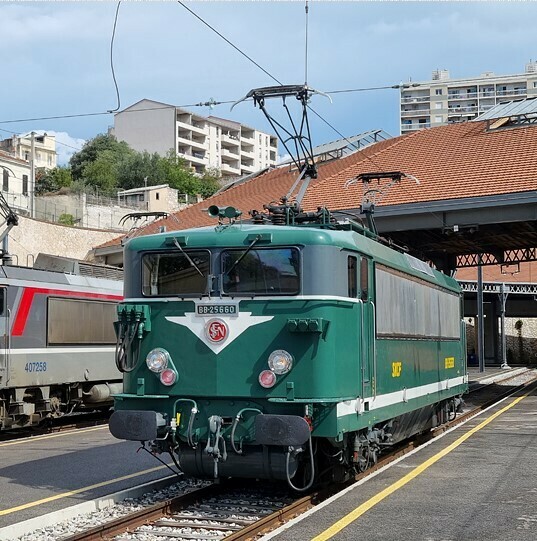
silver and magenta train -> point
(57, 340)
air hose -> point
(312, 463)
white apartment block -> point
(204, 142)
(20, 146)
(444, 101)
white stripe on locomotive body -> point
(228, 298)
(390, 399)
(107, 287)
(52, 349)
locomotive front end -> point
(221, 350)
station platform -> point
(47, 473)
(478, 482)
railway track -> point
(239, 512)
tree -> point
(53, 180)
(91, 150)
(102, 173)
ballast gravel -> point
(86, 521)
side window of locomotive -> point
(2, 301)
(78, 321)
(269, 271)
(175, 273)
(352, 281)
(364, 279)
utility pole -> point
(32, 175)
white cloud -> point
(66, 145)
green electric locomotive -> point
(290, 352)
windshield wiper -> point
(244, 254)
(192, 264)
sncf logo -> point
(216, 330)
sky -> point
(56, 58)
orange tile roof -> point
(450, 162)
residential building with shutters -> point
(443, 100)
(203, 142)
(20, 146)
(15, 177)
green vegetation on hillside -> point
(105, 165)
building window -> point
(438, 91)
(438, 118)
(141, 197)
(157, 196)
(26, 155)
(438, 105)
(24, 184)
(49, 159)
(5, 181)
(535, 84)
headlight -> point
(280, 361)
(157, 360)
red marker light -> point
(267, 379)
(168, 377)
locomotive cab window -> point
(2, 301)
(182, 273)
(351, 277)
(266, 271)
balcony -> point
(412, 127)
(416, 112)
(467, 109)
(199, 128)
(247, 169)
(199, 143)
(248, 136)
(197, 158)
(416, 99)
(234, 154)
(227, 168)
(247, 154)
(230, 139)
(512, 92)
(462, 95)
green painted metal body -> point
(343, 375)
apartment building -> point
(443, 100)
(204, 142)
(20, 146)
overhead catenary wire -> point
(306, 8)
(208, 103)
(112, 60)
(229, 42)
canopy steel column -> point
(480, 317)
(503, 299)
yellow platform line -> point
(60, 434)
(366, 506)
(77, 491)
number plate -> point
(216, 310)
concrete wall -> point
(521, 342)
(33, 236)
(95, 216)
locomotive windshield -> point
(266, 271)
(175, 273)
